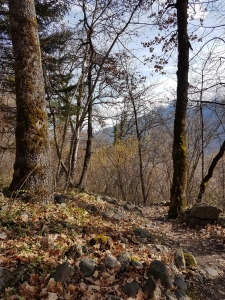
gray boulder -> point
(87, 266)
(131, 289)
(63, 273)
(59, 199)
(159, 271)
(221, 221)
(204, 211)
(124, 259)
(143, 233)
(179, 281)
(152, 289)
(9, 279)
(179, 259)
(110, 261)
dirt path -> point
(206, 245)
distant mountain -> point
(213, 114)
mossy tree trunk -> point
(177, 199)
(210, 172)
(32, 171)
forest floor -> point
(207, 246)
(35, 240)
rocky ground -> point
(207, 246)
(94, 247)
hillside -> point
(94, 247)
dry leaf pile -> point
(37, 239)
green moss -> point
(189, 259)
(134, 258)
(103, 238)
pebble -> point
(211, 272)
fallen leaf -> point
(52, 296)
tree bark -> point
(177, 199)
(83, 179)
(32, 168)
(210, 172)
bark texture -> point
(177, 200)
(32, 171)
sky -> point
(212, 16)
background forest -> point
(110, 88)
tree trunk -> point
(32, 170)
(83, 179)
(177, 200)
(210, 172)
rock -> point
(162, 248)
(106, 216)
(143, 233)
(221, 221)
(181, 295)
(128, 207)
(179, 259)
(159, 271)
(110, 200)
(212, 272)
(75, 251)
(63, 273)
(169, 242)
(102, 268)
(131, 289)
(136, 264)
(59, 199)
(170, 296)
(117, 217)
(124, 259)
(152, 289)
(194, 222)
(110, 261)
(9, 279)
(87, 266)
(190, 260)
(204, 211)
(179, 281)
(85, 250)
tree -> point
(210, 171)
(32, 170)
(177, 198)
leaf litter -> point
(37, 239)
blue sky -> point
(213, 16)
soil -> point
(207, 245)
